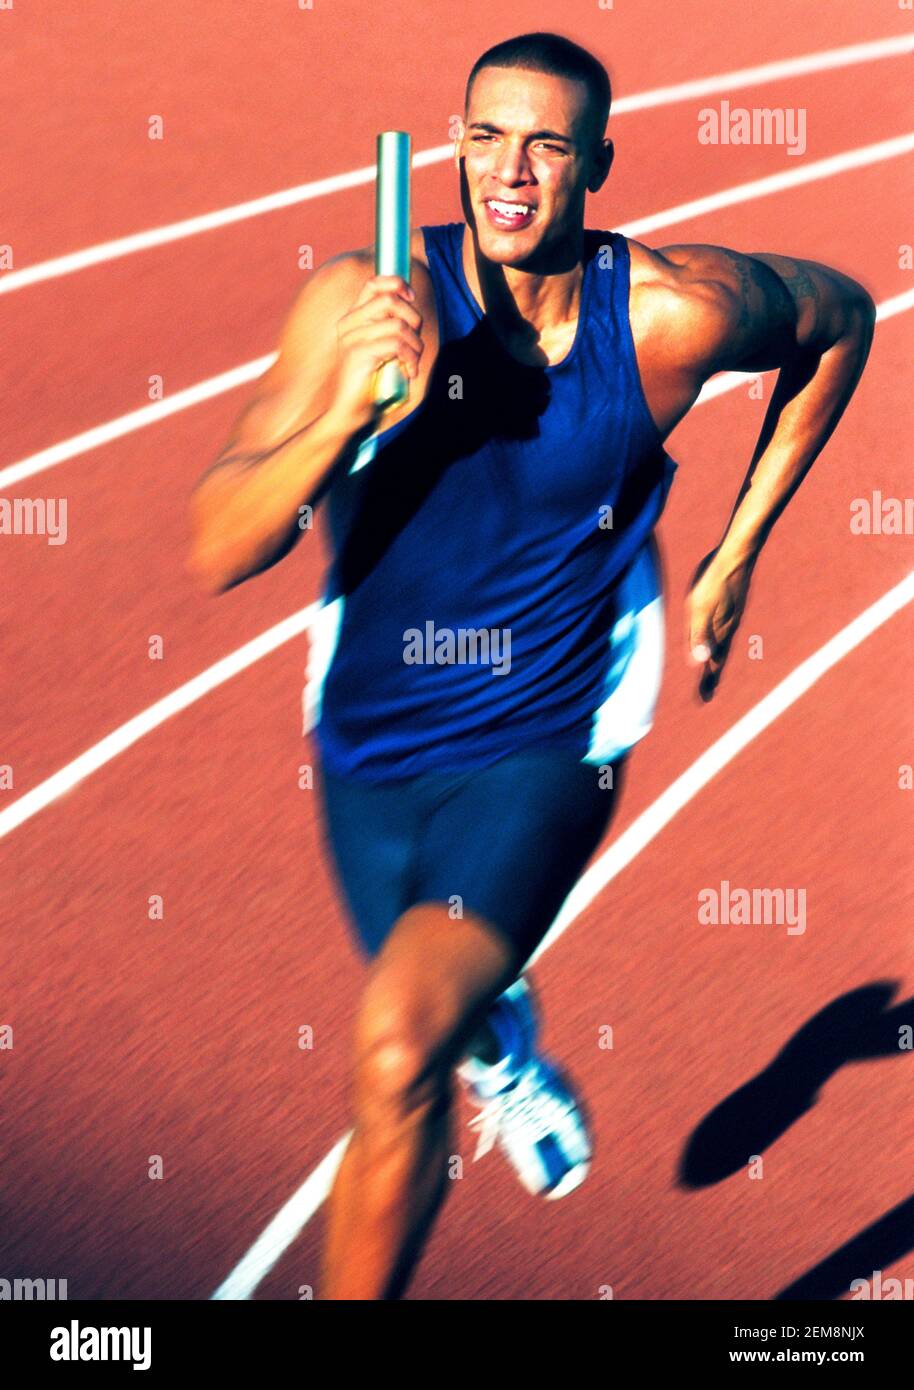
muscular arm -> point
(246, 509)
(762, 312)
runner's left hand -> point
(714, 607)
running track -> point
(179, 1037)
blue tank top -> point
(495, 583)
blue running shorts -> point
(507, 841)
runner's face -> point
(525, 143)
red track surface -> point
(179, 1038)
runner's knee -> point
(401, 1044)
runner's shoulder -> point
(685, 275)
(364, 255)
(341, 275)
(310, 328)
(334, 286)
(694, 295)
(309, 334)
(353, 268)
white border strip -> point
(336, 183)
(297, 1211)
(15, 473)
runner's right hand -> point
(382, 324)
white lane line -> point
(678, 794)
(298, 1210)
(141, 724)
(292, 1217)
(17, 472)
(317, 188)
(768, 72)
(135, 420)
(776, 183)
(122, 738)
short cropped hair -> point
(554, 54)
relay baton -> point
(391, 385)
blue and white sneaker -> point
(526, 1105)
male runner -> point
(490, 643)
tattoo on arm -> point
(804, 287)
(749, 286)
(767, 311)
(800, 284)
(799, 281)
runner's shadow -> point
(875, 1248)
(476, 394)
(852, 1028)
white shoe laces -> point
(527, 1106)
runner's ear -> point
(602, 165)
